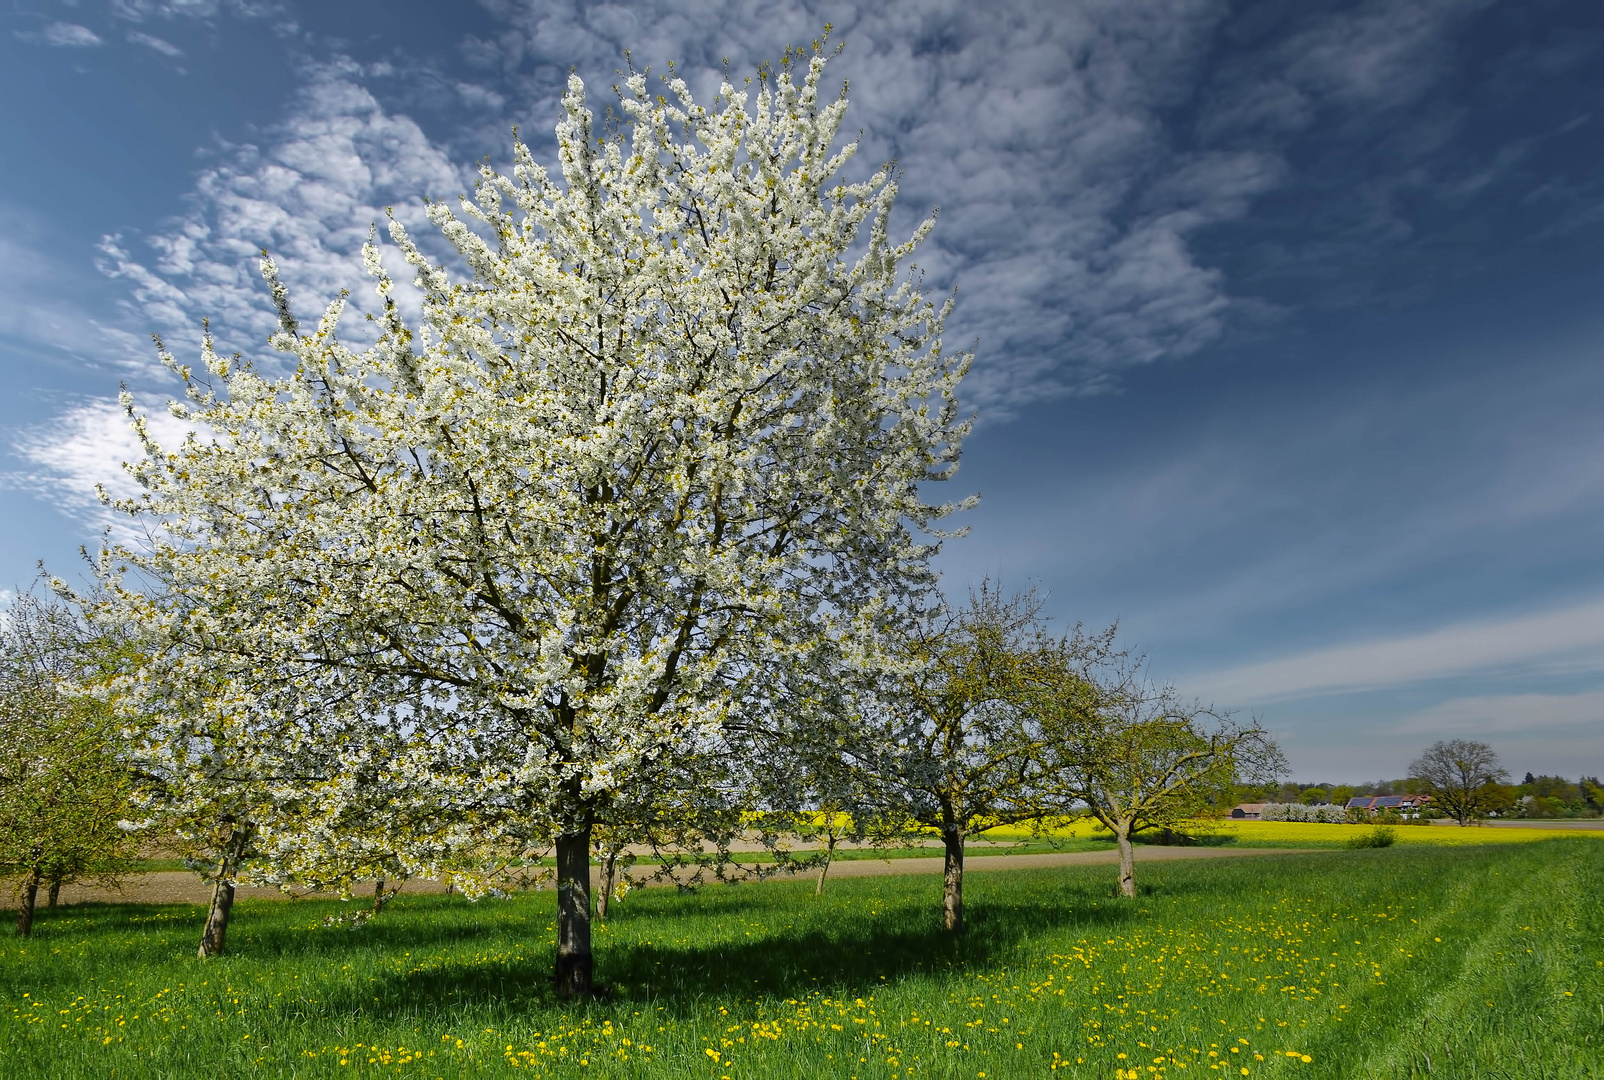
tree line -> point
(991, 721)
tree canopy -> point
(620, 496)
(1457, 773)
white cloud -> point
(86, 447)
(64, 35)
(1070, 197)
(1572, 638)
(166, 48)
(1034, 126)
(1067, 206)
(275, 12)
(48, 312)
(307, 193)
(1492, 715)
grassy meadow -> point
(1404, 961)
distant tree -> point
(1455, 772)
(1592, 794)
(1341, 793)
(957, 749)
(1314, 795)
(1551, 787)
(64, 778)
(1496, 798)
(1136, 755)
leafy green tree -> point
(1592, 794)
(958, 750)
(1136, 755)
(64, 778)
(1313, 796)
(1496, 798)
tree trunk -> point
(1127, 863)
(952, 896)
(575, 965)
(609, 874)
(829, 855)
(26, 902)
(55, 892)
(378, 896)
(212, 938)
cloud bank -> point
(1572, 639)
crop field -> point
(1085, 835)
(1397, 962)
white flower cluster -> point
(566, 549)
(1326, 813)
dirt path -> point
(183, 887)
(1043, 859)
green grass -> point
(1456, 962)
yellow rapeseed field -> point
(1310, 834)
(1272, 833)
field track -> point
(184, 887)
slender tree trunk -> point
(55, 892)
(609, 875)
(829, 856)
(1127, 862)
(378, 896)
(213, 937)
(25, 907)
(575, 966)
(952, 895)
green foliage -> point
(1498, 952)
(1380, 836)
(64, 784)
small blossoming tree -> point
(640, 480)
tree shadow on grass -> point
(843, 952)
(437, 956)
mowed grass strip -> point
(1473, 962)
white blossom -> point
(582, 531)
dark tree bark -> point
(952, 895)
(378, 896)
(25, 907)
(216, 931)
(575, 965)
(55, 892)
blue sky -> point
(1287, 314)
